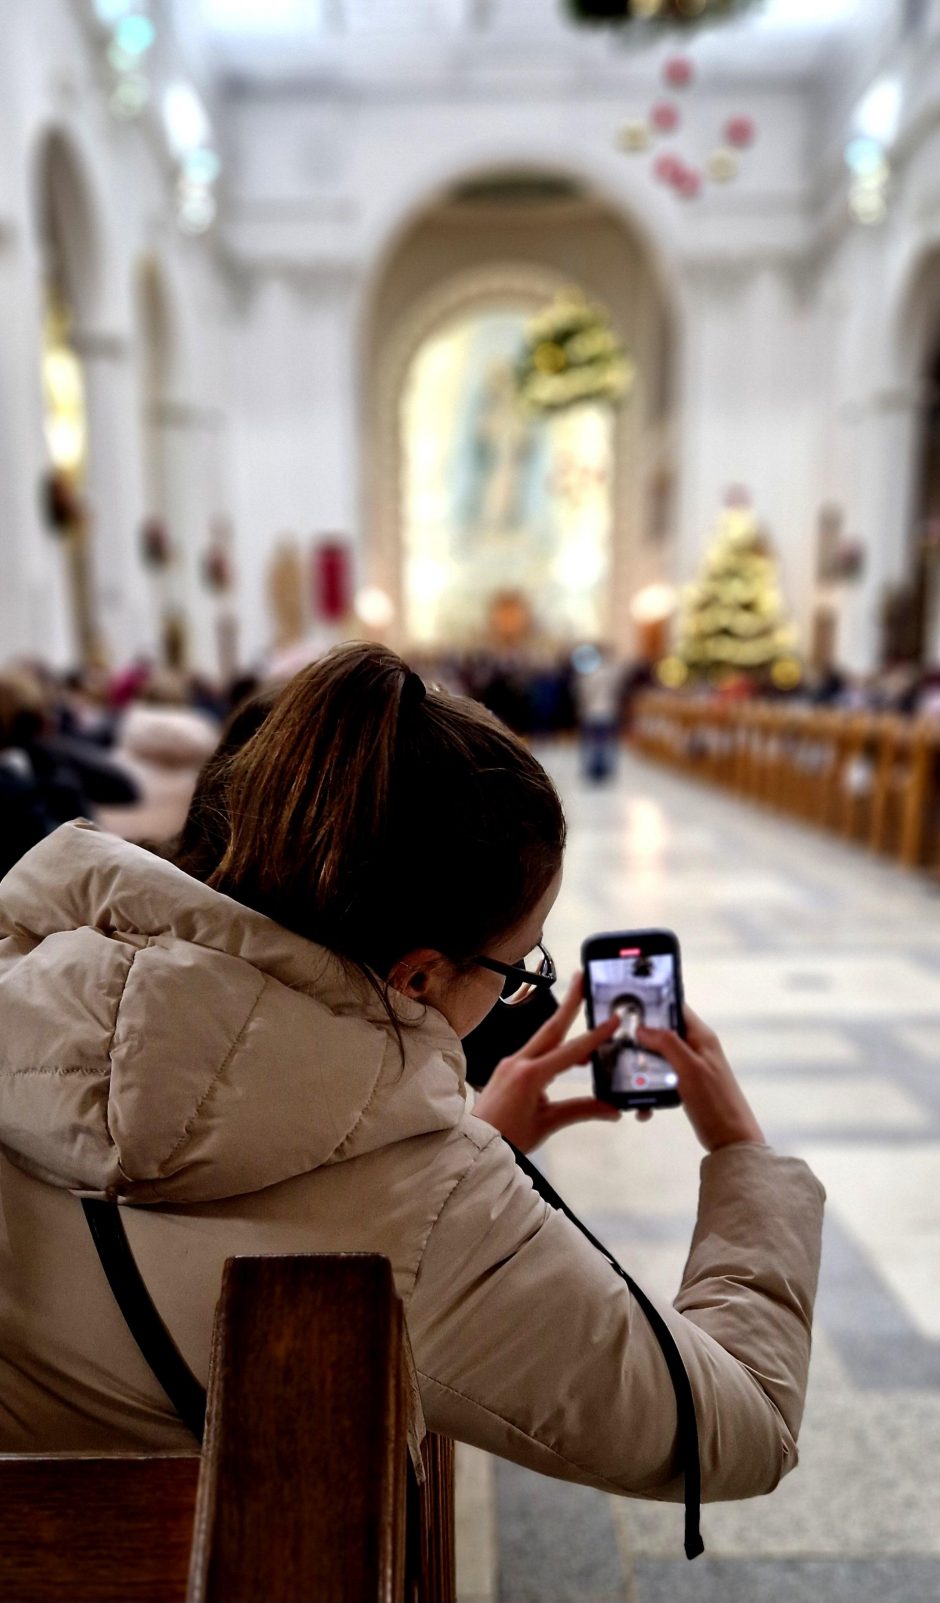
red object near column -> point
(331, 581)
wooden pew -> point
(871, 778)
(304, 1491)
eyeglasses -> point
(534, 972)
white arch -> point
(526, 283)
(912, 317)
(68, 200)
(617, 184)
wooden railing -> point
(304, 1491)
(870, 777)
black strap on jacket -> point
(189, 1398)
(141, 1316)
(686, 1424)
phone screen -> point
(639, 988)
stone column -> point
(294, 454)
(747, 395)
(186, 439)
(883, 433)
(35, 616)
(123, 610)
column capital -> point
(901, 398)
(101, 345)
(185, 415)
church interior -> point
(586, 353)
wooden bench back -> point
(304, 1489)
(869, 777)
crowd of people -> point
(124, 749)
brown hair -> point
(374, 821)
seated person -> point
(263, 1055)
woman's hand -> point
(515, 1099)
(716, 1106)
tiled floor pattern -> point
(820, 967)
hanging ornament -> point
(667, 167)
(740, 132)
(634, 137)
(722, 166)
(678, 72)
(665, 117)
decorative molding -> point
(185, 415)
(900, 399)
(99, 345)
(247, 277)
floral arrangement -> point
(572, 354)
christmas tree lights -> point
(734, 619)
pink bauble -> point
(665, 117)
(689, 183)
(740, 131)
(667, 167)
(678, 72)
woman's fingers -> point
(698, 1033)
(714, 1103)
(547, 1065)
(679, 1054)
(576, 1110)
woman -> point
(267, 1059)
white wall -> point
(799, 337)
(50, 82)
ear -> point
(415, 971)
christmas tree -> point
(733, 619)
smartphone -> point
(637, 975)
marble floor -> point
(820, 968)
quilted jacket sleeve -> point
(530, 1346)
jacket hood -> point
(160, 1041)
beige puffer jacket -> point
(230, 1080)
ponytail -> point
(374, 816)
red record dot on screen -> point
(639, 1081)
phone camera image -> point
(638, 988)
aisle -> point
(819, 968)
